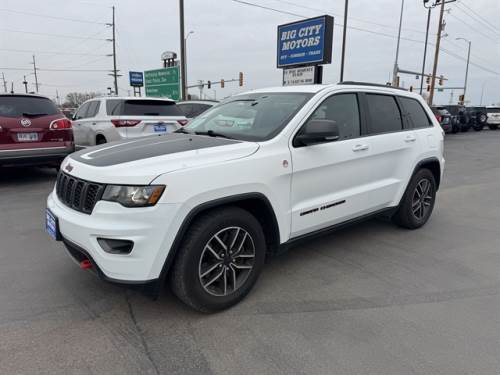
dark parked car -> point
(33, 131)
(444, 117)
(460, 117)
(194, 108)
(478, 117)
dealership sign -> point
(299, 76)
(307, 42)
(136, 79)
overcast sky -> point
(230, 37)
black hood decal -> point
(148, 147)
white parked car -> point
(204, 206)
(194, 108)
(107, 119)
(493, 120)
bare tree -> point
(75, 99)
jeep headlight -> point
(133, 196)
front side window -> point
(385, 116)
(252, 117)
(416, 115)
(82, 111)
(93, 109)
(344, 110)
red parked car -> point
(33, 131)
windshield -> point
(18, 106)
(252, 117)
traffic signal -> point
(461, 99)
(428, 80)
(241, 78)
(411, 88)
(428, 88)
(441, 81)
(209, 84)
(222, 83)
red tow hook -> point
(85, 264)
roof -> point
(210, 102)
(24, 94)
(133, 98)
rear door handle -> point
(410, 138)
(360, 148)
(94, 123)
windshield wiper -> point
(212, 133)
(183, 131)
(27, 114)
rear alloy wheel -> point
(220, 259)
(418, 201)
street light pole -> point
(425, 50)
(467, 67)
(183, 51)
(343, 41)
(185, 57)
(395, 71)
(436, 53)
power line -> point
(52, 35)
(38, 52)
(55, 69)
(49, 16)
(472, 27)
(485, 21)
(269, 8)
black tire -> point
(405, 215)
(464, 128)
(186, 275)
(493, 126)
(478, 128)
(100, 140)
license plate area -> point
(52, 225)
(160, 128)
(27, 137)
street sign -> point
(136, 79)
(299, 76)
(307, 42)
(163, 83)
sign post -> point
(136, 80)
(304, 45)
(163, 83)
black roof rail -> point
(370, 84)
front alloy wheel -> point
(422, 199)
(226, 261)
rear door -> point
(393, 149)
(142, 117)
(79, 131)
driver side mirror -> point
(317, 131)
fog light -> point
(113, 246)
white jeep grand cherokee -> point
(203, 206)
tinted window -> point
(19, 106)
(493, 110)
(384, 114)
(198, 109)
(344, 110)
(252, 117)
(93, 109)
(112, 106)
(416, 115)
(185, 108)
(82, 111)
(143, 107)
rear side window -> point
(493, 110)
(344, 110)
(385, 116)
(186, 108)
(198, 109)
(415, 114)
(93, 109)
(143, 108)
(19, 106)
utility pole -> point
(425, 49)
(57, 98)
(436, 54)
(34, 71)
(346, 9)
(467, 67)
(395, 82)
(183, 50)
(4, 83)
(115, 71)
(25, 83)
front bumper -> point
(152, 229)
(35, 156)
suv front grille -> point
(78, 194)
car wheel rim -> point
(226, 261)
(422, 199)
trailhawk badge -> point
(25, 122)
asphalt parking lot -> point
(369, 299)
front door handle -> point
(360, 147)
(94, 123)
(410, 138)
